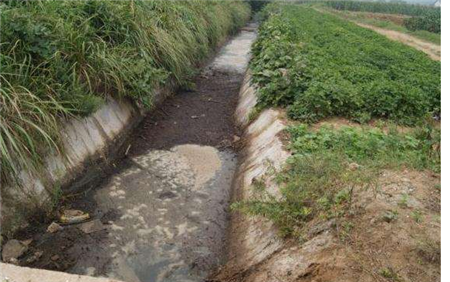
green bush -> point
(61, 58)
(318, 66)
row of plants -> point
(317, 65)
(422, 17)
(61, 58)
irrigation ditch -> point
(155, 205)
(160, 213)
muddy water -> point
(169, 205)
(172, 206)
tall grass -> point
(61, 58)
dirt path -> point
(433, 50)
(164, 210)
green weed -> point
(403, 203)
(417, 216)
(391, 274)
(390, 216)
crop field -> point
(364, 111)
(422, 17)
(317, 65)
(61, 58)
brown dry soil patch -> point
(432, 50)
(391, 235)
(397, 19)
(202, 115)
(394, 234)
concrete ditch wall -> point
(86, 142)
(12, 273)
(256, 252)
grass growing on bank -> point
(319, 66)
(327, 166)
(61, 58)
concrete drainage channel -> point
(163, 214)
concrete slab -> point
(13, 273)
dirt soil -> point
(202, 115)
(394, 234)
(397, 19)
(433, 50)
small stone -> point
(34, 257)
(27, 242)
(12, 250)
(236, 138)
(72, 213)
(55, 257)
(91, 226)
(54, 227)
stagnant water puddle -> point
(164, 211)
(172, 206)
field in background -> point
(387, 21)
(421, 17)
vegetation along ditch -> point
(333, 176)
(363, 131)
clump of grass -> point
(390, 274)
(61, 58)
(28, 128)
(390, 216)
(327, 166)
(429, 250)
(417, 216)
(403, 203)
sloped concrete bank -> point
(88, 143)
(256, 252)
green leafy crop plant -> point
(317, 66)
